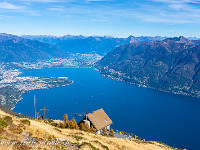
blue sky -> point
(118, 18)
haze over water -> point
(150, 114)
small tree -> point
(63, 125)
(104, 131)
(72, 124)
(111, 133)
(59, 125)
(67, 124)
(87, 127)
(82, 127)
(65, 118)
(77, 127)
(92, 129)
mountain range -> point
(171, 65)
(92, 44)
(166, 64)
(28, 48)
(14, 49)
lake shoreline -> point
(152, 114)
(124, 79)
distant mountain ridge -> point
(171, 65)
(92, 44)
(14, 49)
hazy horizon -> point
(51, 35)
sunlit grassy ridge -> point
(45, 136)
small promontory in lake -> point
(171, 65)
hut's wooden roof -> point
(99, 119)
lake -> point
(150, 114)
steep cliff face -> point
(171, 65)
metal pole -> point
(44, 112)
(34, 107)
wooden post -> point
(44, 111)
(37, 115)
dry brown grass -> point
(86, 141)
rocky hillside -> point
(24, 134)
(171, 65)
(14, 49)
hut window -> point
(106, 120)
